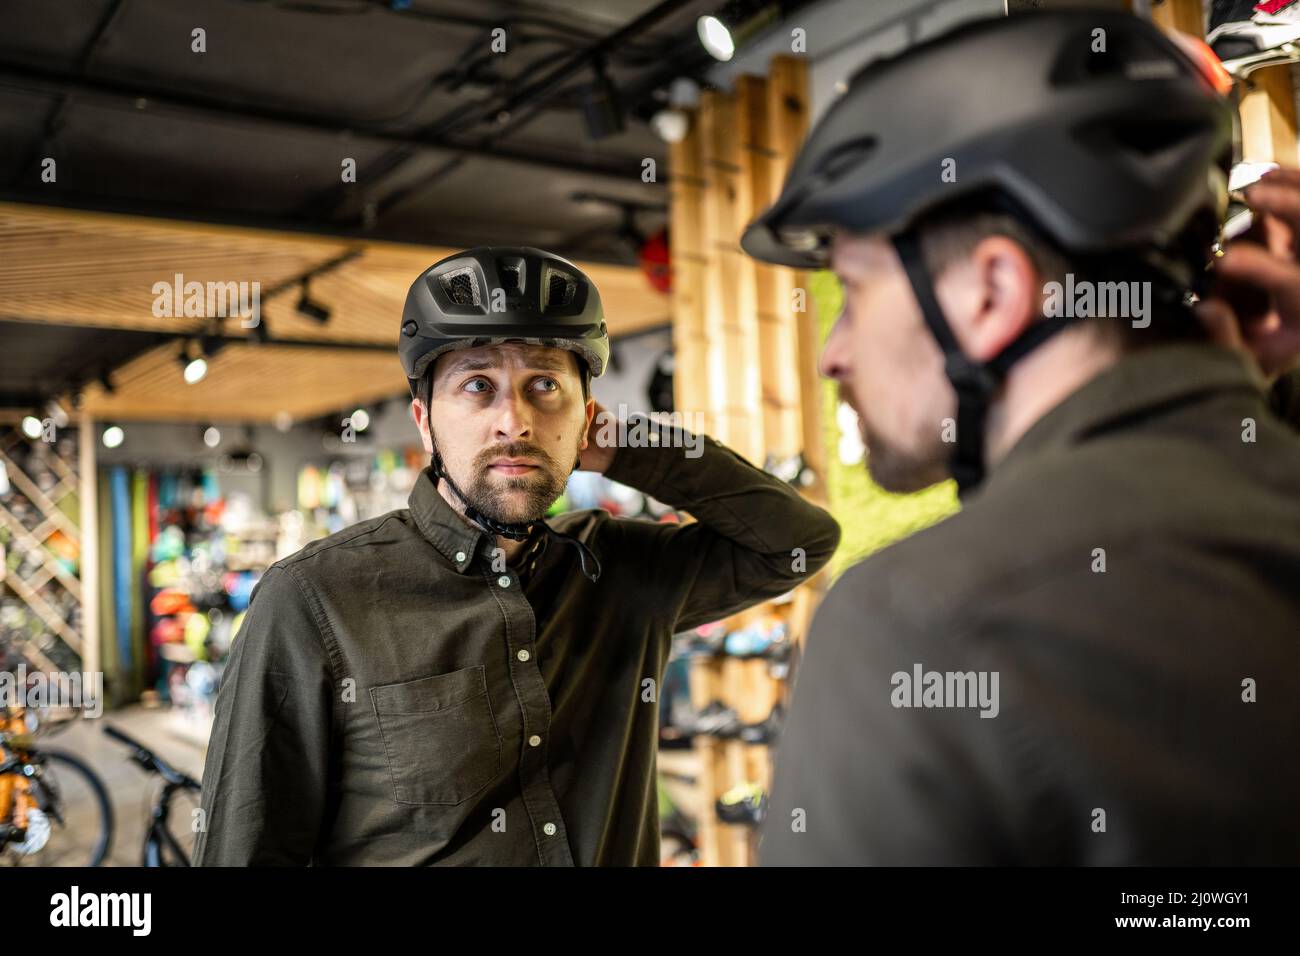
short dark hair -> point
(951, 232)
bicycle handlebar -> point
(151, 762)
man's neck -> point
(1042, 380)
(511, 548)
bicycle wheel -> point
(180, 831)
(72, 823)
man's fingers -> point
(1283, 176)
(1249, 263)
(1281, 204)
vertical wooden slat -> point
(1185, 16)
(1268, 119)
(748, 135)
(716, 127)
(787, 126)
(686, 200)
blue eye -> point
(477, 381)
(552, 384)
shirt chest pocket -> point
(440, 737)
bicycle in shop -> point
(161, 846)
(54, 809)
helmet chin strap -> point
(516, 530)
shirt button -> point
(549, 829)
(523, 655)
(504, 581)
(460, 556)
(534, 741)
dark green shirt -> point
(1131, 572)
(394, 698)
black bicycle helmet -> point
(1091, 124)
(498, 294)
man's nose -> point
(833, 361)
(514, 418)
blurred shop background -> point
(158, 454)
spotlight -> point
(734, 25)
(193, 368)
(196, 370)
(716, 37)
(313, 310)
(31, 426)
(360, 419)
(113, 436)
(684, 93)
(600, 105)
(212, 436)
(670, 125)
(57, 412)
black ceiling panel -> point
(38, 361)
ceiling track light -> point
(194, 368)
(113, 436)
(600, 104)
(733, 26)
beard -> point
(902, 471)
(517, 499)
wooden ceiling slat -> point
(247, 383)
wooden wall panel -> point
(745, 358)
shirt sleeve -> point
(1284, 398)
(754, 536)
(264, 780)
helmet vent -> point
(511, 274)
(847, 156)
(461, 287)
(559, 290)
(1147, 138)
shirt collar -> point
(1137, 385)
(454, 537)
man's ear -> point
(998, 292)
(590, 413)
(421, 424)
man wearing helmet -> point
(461, 681)
(1095, 662)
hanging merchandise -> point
(239, 586)
(656, 262)
(196, 630)
(309, 488)
(144, 658)
(121, 531)
(116, 693)
(659, 390)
